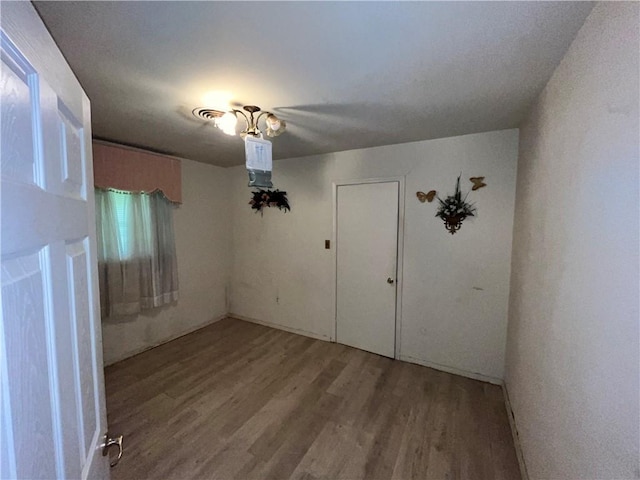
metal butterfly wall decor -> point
(426, 196)
(478, 182)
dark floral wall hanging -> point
(454, 209)
(269, 198)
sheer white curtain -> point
(136, 251)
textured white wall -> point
(455, 296)
(202, 229)
(572, 356)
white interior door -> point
(367, 252)
(52, 409)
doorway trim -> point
(400, 251)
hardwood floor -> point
(242, 401)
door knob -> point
(389, 280)
(110, 442)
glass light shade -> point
(227, 123)
(275, 126)
(273, 122)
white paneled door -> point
(366, 266)
(52, 407)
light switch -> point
(327, 244)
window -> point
(123, 224)
(136, 251)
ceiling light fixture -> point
(227, 121)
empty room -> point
(320, 240)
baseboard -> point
(138, 351)
(455, 371)
(281, 327)
(514, 434)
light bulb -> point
(227, 123)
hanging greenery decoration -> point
(454, 209)
(269, 198)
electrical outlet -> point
(327, 244)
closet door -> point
(366, 265)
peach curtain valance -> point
(136, 171)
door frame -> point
(400, 251)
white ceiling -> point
(343, 75)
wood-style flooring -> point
(242, 401)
